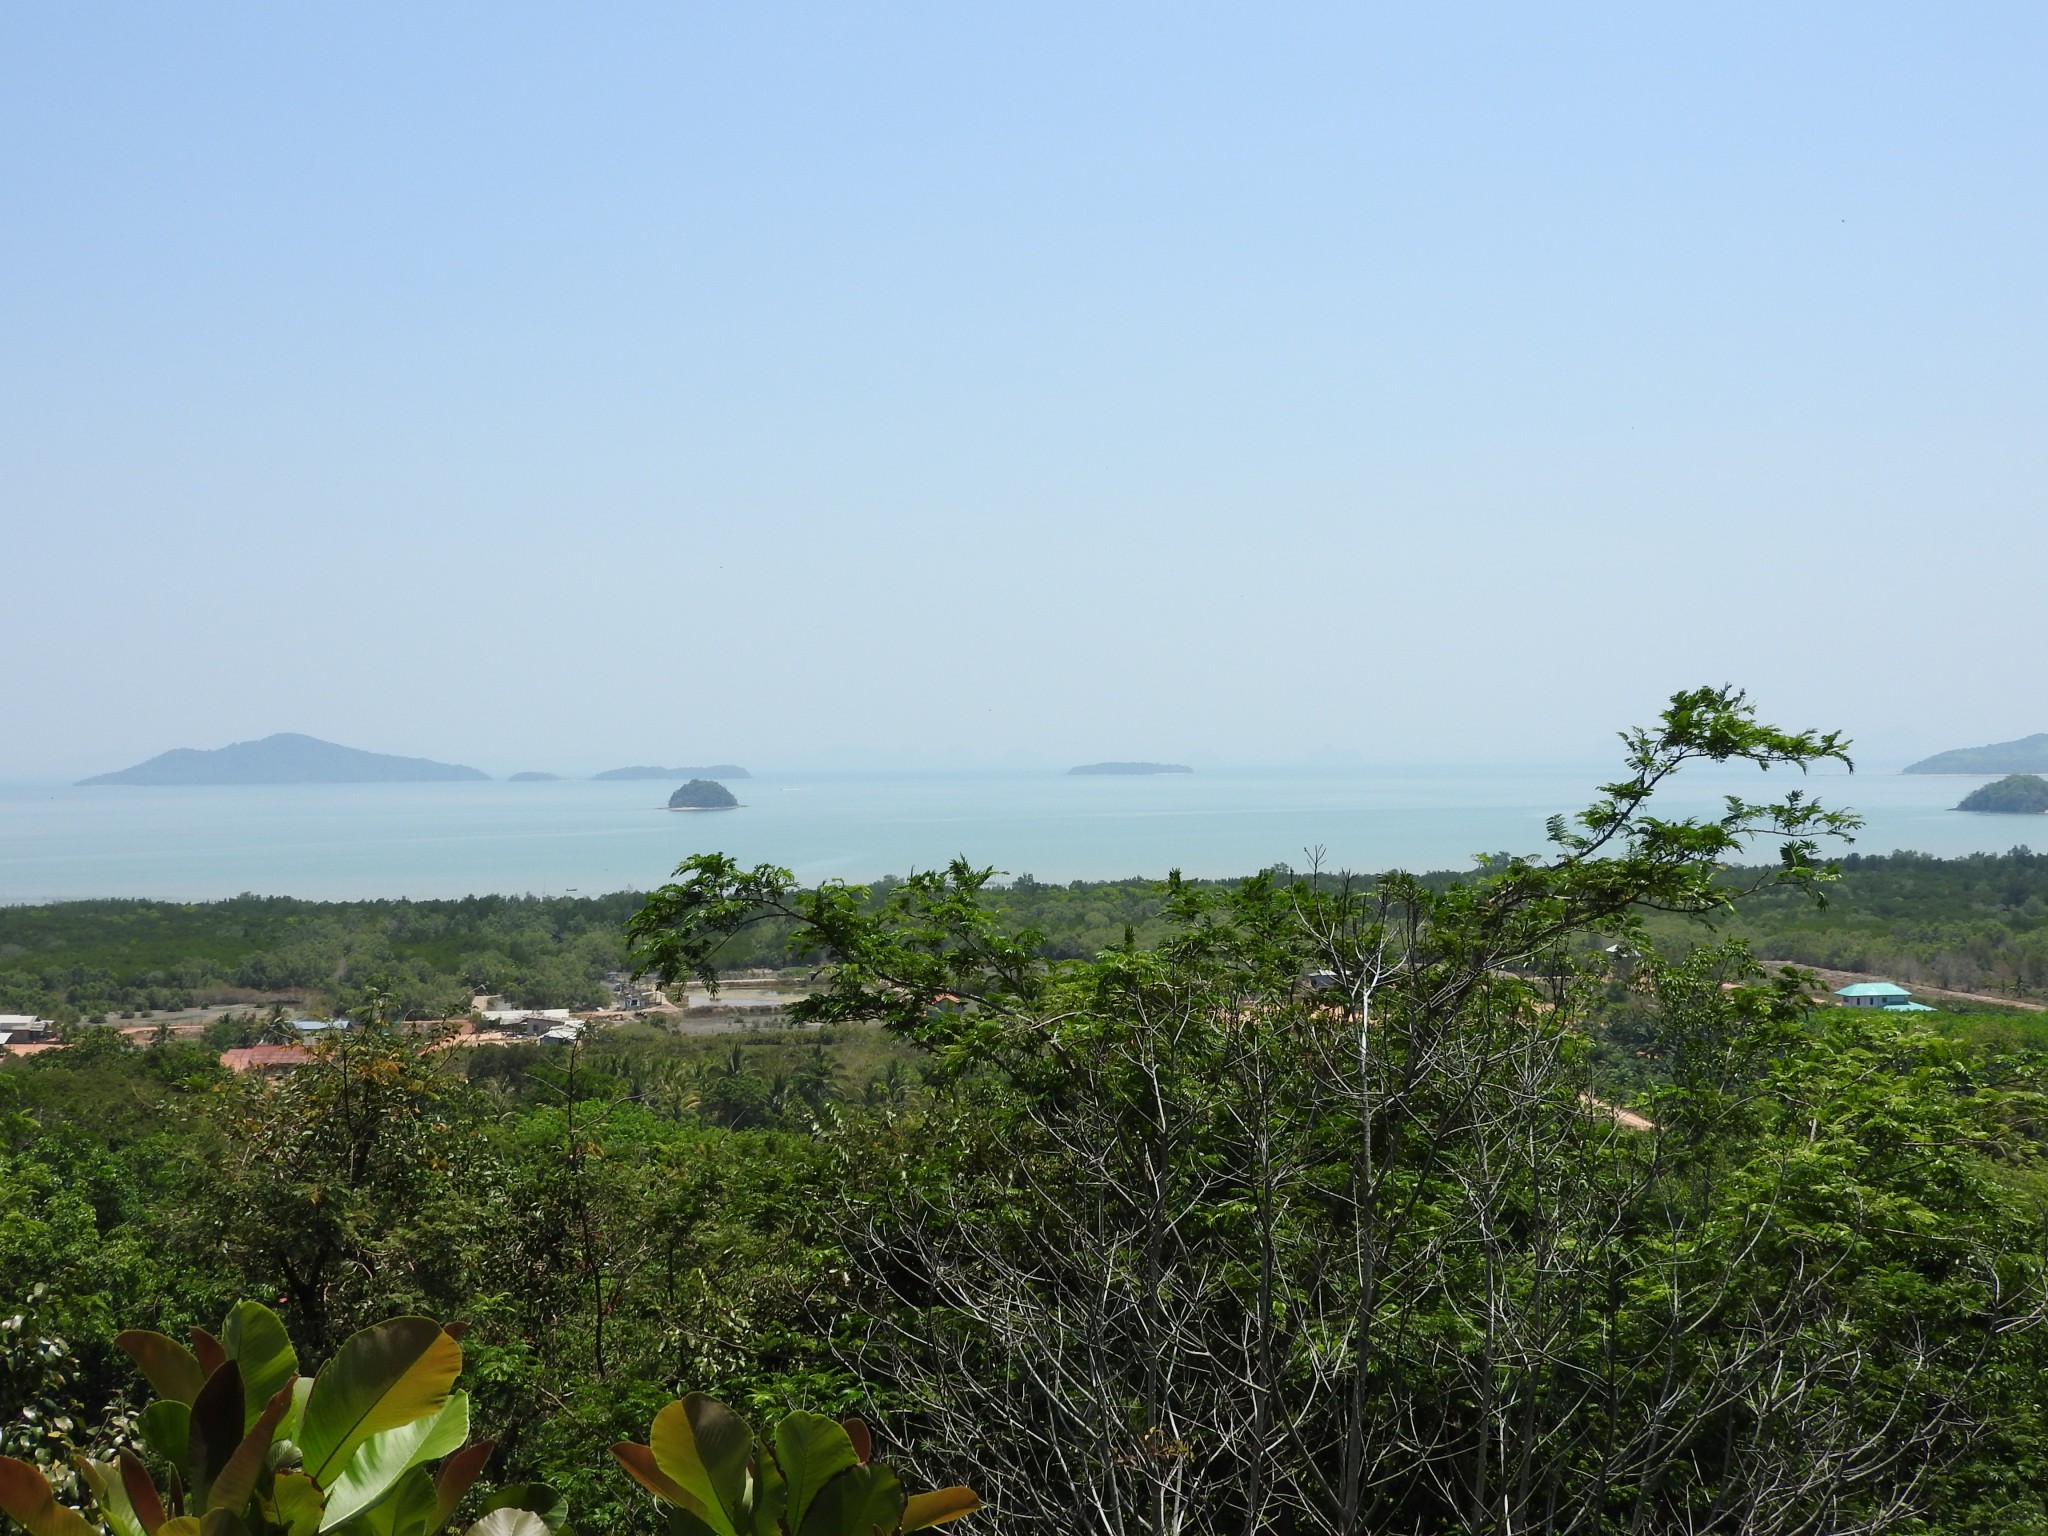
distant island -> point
(2015, 794)
(535, 778)
(285, 758)
(713, 771)
(702, 795)
(2027, 755)
(1132, 768)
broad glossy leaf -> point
(26, 1495)
(408, 1510)
(921, 1510)
(216, 1428)
(856, 1503)
(685, 1522)
(143, 1498)
(702, 1446)
(638, 1461)
(535, 1498)
(256, 1341)
(236, 1481)
(298, 1503)
(184, 1525)
(169, 1366)
(222, 1522)
(454, 1479)
(391, 1374)
(387, 1456)
(811, 1450)
(110, 1496)
(166, 1425)
(510, 1522)
(295, 1415)
(863, 1442)
(766, 1498)
(208, 1349)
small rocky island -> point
(2020, 794)
(702, 795)
(1132, 768)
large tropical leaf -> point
(110, 1497)
(387, 1375)
(166, 1426)
(26, 1495)
(536, 1498)
(921, 1510)
(638, 1461)
(510, 1522)
(216, 1428)
(811, 1450)
(170, 1367)
(703, 1447)
(235, 1481)
(298, 1503)
(256, 1341)
(388, 1455)
(457, 1473)
(208, 1349)
(408, 1510)
(856, 1503)
(143, 1498)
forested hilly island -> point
(286, 758)
(2016, 794)
(2027, 755)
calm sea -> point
(436, 840)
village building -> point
(1879, 994)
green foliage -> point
(810, 1477)
(1978, 923)
(81, 958)
(247, 1447)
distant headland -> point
(1132, 768)
(2021, 794)
(702, 795)
(2027, 755)
(712, 771)
(285, 758)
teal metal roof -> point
(1872, 989)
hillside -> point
(2027, 755)
(712, 771)
(285, 758)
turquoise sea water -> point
(433, 840)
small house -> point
(1879, 994)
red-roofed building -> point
(265, 1058)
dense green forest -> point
(1519, 1200)
(1978, 923)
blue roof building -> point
(1879, 994)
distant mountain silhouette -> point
(2027, 755)
(1132, 768)
(285, 758)
(713, 771)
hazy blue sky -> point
(545, 386)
